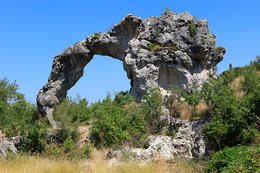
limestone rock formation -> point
(7, 145)
(188, 143)
(174, 49)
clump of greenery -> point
(192, 28)
(158, 47)
(167, 11)
(96, 35)
(121, 121)
(203, 40)
(19, 117)
(113, 125)
(110, 127)
(151, 108)
(213, 43)
(122, 98)
(73, 112)
(233, 118)
(154, 47)
(235, 159)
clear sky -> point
(32, 32)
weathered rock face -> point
(9, 145)
(174, 49)
(188, 143)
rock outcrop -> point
(9, 145)
(174, 49)
(187, 143)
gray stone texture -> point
(174, 49)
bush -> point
(116, 124)
(233, 118)
(235, 159)
(110, 128)
(122, 98)
(65, 133)
(192, 28)
(154, 47)
(151, 109)
(18, 117)
(73, 112)
(34, 138)
(87, 150)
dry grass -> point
(161, 167)
(236, 86)
(185, 111)
(189, 112)
(96, 165)
(38, 165)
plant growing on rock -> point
(154, 47)
(96, 35)
(192, 28)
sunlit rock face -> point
(174, 49)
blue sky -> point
(33, 32)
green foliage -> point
(192, 28)
(73, 112)
(232, 118)
(116, 124)
(110, 128)
(235, 159)
(193, 96)
(87, 150)
(34, 138)
(251, 79)
(122, 98)
(151, 108)
(96, 35)
(167, 9)
(69, 150)
(154, 47)
(113, 125)
(64, 133)
(18, 117)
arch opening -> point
(102, 75)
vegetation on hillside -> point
(231, 103)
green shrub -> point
(154, 47)
(251, 79)
(73, 112)
(122, 98)
(65, 133)
(233, 118)
(192, 28)
(229, 125)
(87, 150)
(34, 138)
(235, 159)
(96, 35)
(116, 124)
(110, 128)
(151, 109)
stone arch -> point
(151, 51)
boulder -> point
(7, 145)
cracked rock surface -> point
(174, 49)
(187, 143)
